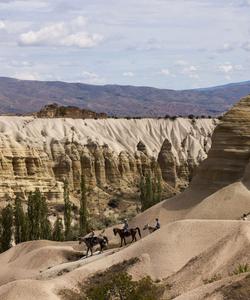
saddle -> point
(126, 232)
(94, 239)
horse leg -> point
(87, 252)
(134, 238)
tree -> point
(150, 191)
(34, 203)
(7, 223)
(58, 230)
(157, 190)
(37, 215)
(25, 228)
(45, 226)
(19, 222)
(67, 211)
(83, 223)
(142, 193)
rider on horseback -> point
(158, 225)
(125, 226)
(92, 236)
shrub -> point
(242, 268)
(109, 221)
(116, 283)
(215, 277)
(114, 202)
(122, 287)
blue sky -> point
(176, 44)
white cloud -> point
(190, 71)
(128, 74)
(2, 25)
(165, 72)
(70, 34)
(91, 78)
(227, 47)
(228, 68)
(27, 76)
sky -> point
(173, 44)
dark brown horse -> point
(130, 232)
(90, 242)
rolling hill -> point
(22, 96)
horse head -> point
(145, 227)
(115, 231)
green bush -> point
(122, 287)
(116, 284)
(242, 268)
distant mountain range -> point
(23, 96)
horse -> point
(130, 232)
(92, 241)
(149, 228)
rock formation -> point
(112, 154)
(220, 188)
(56, 111)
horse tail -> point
(139, 231)
(106, 239)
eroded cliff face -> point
(229, 156)
(111, 153)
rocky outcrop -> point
(112, 154)
(229, 156)
(56, 111)
(220, 188)
(167, 163)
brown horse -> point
(90, 242)
(130, 232)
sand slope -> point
(201, 245)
